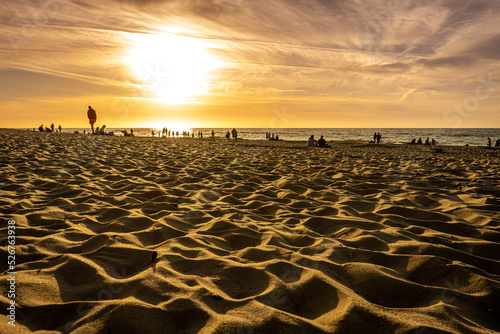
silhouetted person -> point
(433, 142)
(213, 135)
(52, 127)
(322, 142)
(497, 143)
(228, 135)
(419, 142)
(378, 138)
(40, 128)
(489, 142)
(427, 141)
(277, 137)
(235, 134)
(413, 141)
(312, 142)
(60, 129)
(92, 115)
(375, 137)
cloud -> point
(306, 49)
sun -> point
(176, 68)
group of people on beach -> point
(271, 136)
(233, 133)
(49, 129)
(311, 142)
(376, 138)
(419, 141)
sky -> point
(259, 63)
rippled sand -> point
(250, 237)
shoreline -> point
(270, 142)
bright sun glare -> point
(176, 68)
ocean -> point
(450, 136)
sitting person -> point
(427, 141)
(126, 134)
(413, 141)
(312, 142)
(497, 143)
(433, 141)
(40, 128)
(419, 142)
(102, 130)
(322, 142)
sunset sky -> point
(259, 63)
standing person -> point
(378, 138)
(235, 134)
(228, 135)
(60, 129)
(489, 142)
(213, 135)
(92, 115)
(375, 137)
(52, 127)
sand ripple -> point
(252, 237)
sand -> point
(250, 237)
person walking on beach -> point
(60, 129)
(92, 115)
(378, 138)
(375, 137)
(235, 134)
(52, 127)
(213, 135)
(228, 135)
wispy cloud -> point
(307, 50)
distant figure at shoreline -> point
(497, 143)
(489, 142)
(433, 141)
(52, 127)
(235, 134)
(213, 135)
(419, 142)
(427, 141)
(375, 137)
(60, 129)
(40, 128)
(378, 138)
(228, 135)
(312, 142)
(92, 115)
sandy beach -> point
(154, 235)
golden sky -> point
(259, 63)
